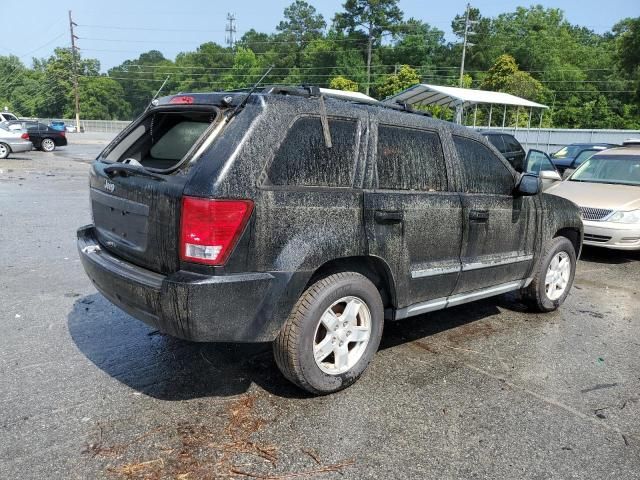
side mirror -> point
(528, 185)
(550, 175)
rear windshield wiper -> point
(125, 170)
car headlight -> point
(632, 216)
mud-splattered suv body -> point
(426, 211)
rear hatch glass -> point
(137, 184)
(163, 139)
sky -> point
(118, 30)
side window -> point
(511, 144)
(538, 162)
(482, 171)
(303, 159)
(496, 141)
(410, 159)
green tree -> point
(244, 72)
(301, 22)
(141, 78)
(101, 98)
(505, 76)
(371, 19)
(392, 84)
(342, 83)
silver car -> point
(13, 141)
(606, 187)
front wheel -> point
(48, 145)
(332, 333)
(4, 150)
(553, 277)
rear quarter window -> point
(482, 171)
(304, 160)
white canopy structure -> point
(461, 98)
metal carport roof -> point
(424, 94)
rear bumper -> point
(18, 147)
(617, 236)
(229, 308)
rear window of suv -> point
(163, 139)
(303, 158)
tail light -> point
(63, 133)
(210, 229)
(25, 136)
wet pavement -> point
(485, 390)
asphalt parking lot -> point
(485, 390)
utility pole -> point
(369, 49)
(74, 59)
(467, 32)
(230, 28)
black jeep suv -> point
(306, 221)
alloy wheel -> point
(342, 335)
(558, 275)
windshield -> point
(568, 151)
(622, 170)
(8, 116)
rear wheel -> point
(4, 150)
(332, 333)
(48, 145)
(553, 278)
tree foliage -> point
(588, 79)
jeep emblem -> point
(109, 186)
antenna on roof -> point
(157, 93)
(249, 93)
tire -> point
(548, 290)
(47, 145)
(314, 329)
(4, 150)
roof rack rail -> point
(308, 91)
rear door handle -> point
(479, 216)
(388, 217)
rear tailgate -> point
(137, 184)
(138, 218)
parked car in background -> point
(58, 125)
(607, 189)
(306, 224)
(535, 161)
(508, 146)
(44, 137)
(579, 160)
(539, 163)
(13, 141)
(566, 156)
(7, 117)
